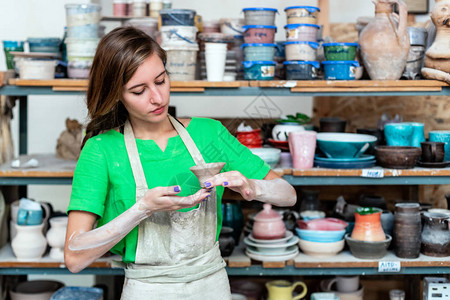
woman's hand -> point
(235, 181)
(166, 199)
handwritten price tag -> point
(372, 173)
(389, 266)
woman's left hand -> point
(235, 181)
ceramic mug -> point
(283, 289)
(29, 217)
(444, 137)
(432, 151)
(302, 145)
(345, 284)
(398, 134)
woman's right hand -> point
(166, 199)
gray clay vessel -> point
(368, 250)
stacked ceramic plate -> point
(272, 250)
(364, 161)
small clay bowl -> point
(332, 124)
(397, 157)
(368, 250)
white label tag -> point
(389, 266)
(373, 173)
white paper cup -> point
(215, 55)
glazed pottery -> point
(367, 249)
(29, 242)
(234, 218)
(320, 236)
(226, 241)
(318, 249)
(283, 290)
(280, 132)
(270, 155)
(435, 235)
(268, 224)
(250, 139)
(418, 136)
(56, 236)
(397, 157)
(323, 224)
(205, 172)
(444, 137)
(368, 225)
(35, 290)
(437, 59)
(398, 134)
(310, 200)
(384, 45)
(407, 230)
(332, 124)
(302, 145)
(387, 222)
(432, 151)
(343, 145)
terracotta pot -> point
(268, 224)
(368, 225)
(384, 45)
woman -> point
(133, 179)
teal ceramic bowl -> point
(343, 145)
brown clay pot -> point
(384, 45)
(407, 230)
(397, 157)
(368, 225)
(435, 235)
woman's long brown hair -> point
(118, 56)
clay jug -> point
(29, 242)
(384, 44)
(435, 235)
(56, 236)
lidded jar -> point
(268, 224)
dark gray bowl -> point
(368, 250)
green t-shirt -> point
(103, 181)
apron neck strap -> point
(188, 142)
(133, 156)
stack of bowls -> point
(270, 155)
(178, 38)
(259, 47)
(82, 37)
(340, 63)
(301, 45)
(321, 237)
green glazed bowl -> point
(343, 145)
(340, 51)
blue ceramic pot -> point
(398, 134)
(418, 136)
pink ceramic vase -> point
(268, 224)
(302, 145)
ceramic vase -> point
(435, 235)
(56, 236)
(280, 132)
(384, 44)
(268, 224)
(29, 242)
(226, 241)
(407, 230)
(368, 225)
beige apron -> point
(177, 256)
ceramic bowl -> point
(308, 215)
(343, 145)
(397, 157)
(321, 249)
(270, 155)
(35, 290)
(323, 224)
(332, 124)
(320, 236)
(272, 248)
(368, 250)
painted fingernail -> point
(225, 183)
(207, 184)
(209, 190)
(176, 189)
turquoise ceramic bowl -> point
(321, 236)
(343, 145)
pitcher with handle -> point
(384, 42)
(283, 289)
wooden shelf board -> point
(347, 83)
(52, 82)
(358, 172)
(366, 89)
(49, 166)
(346, 260)
(9, 260)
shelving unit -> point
(55, 171)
